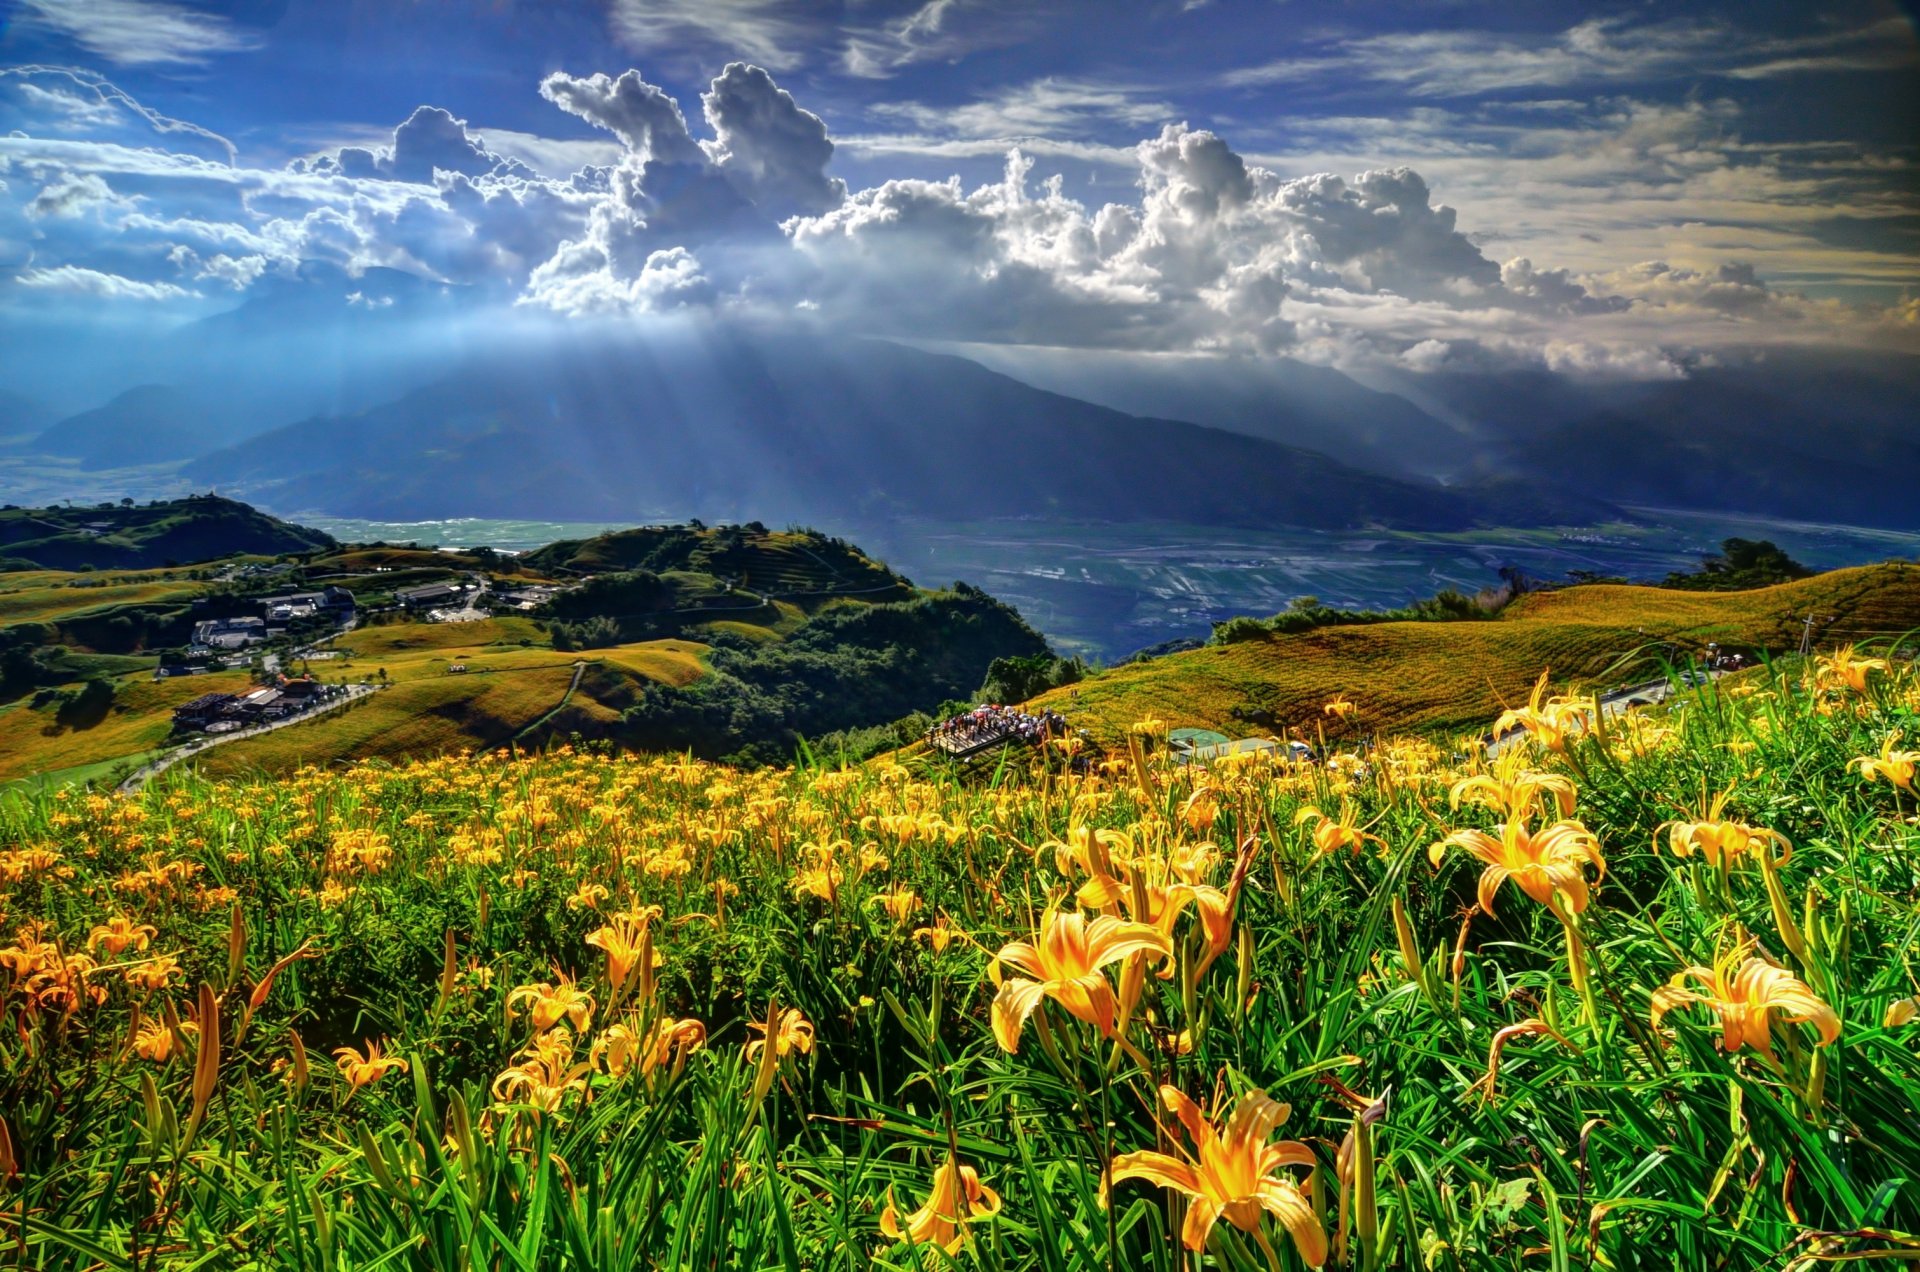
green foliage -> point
(1741, 564)
(165, 532)
(846, 668)
(1017, 679)
(1307, 613)
(1602, 1141)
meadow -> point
(1425, 676)
(1641, 993)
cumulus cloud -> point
(775, 153)
(1209, 250)
(431, 140)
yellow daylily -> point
(620, 1047)
(956, 1199)
(786, 1030)
(1894, 767)
(781, 1034)
(900, 903)
(1845, 669)
(1065, 964)
(628, 944)
(1339, 708)
(552, 1003)
(1232, 1173)
(1512, 789)
(156, 1040)
(1721, 841)
(1552, 723)
(155, 973)
(365, 1068)
(1330, 834)
(1900, 1011)
(1541, 864)
(120, 934)
(546, 1075)
(1745, 991)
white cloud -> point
(92, 282)
(1051, 106)
(140, 32)
(775, 153)
(1601, 238)
(773, 33)
(1603, 50)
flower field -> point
(1642, 993)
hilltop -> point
(130, 536)
(1405, 676)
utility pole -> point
(1806, 632)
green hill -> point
(1404, 676)
(129, 536)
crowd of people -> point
(991, 722)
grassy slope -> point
(1406, 676)
(140, 718)
(429, 710)
(48, 596)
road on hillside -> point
(141, 776)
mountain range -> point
(387, 396)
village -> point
(294, 627)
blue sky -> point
(1605, 189)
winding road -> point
(147, 772)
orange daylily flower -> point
(1894, 767)
(1745, 991)
(956, 1199)
(1721, 841)
(1541, 864)
(1232, 1172)
(1330, 834)
(1065, 965)
(552, 1003)
(1552, 723)
(120, 934)
(1845, 669)
(365, 1068)
(1513, 790)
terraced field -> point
(1444, 676)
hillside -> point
(1459, 675)
(733, 640)
(129, 536)
(746, 425)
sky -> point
(1619, 190)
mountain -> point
(1277, 399)
(136, 536)
(148, 424)
(1811, 435)
(741, 424)
(21, 416)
